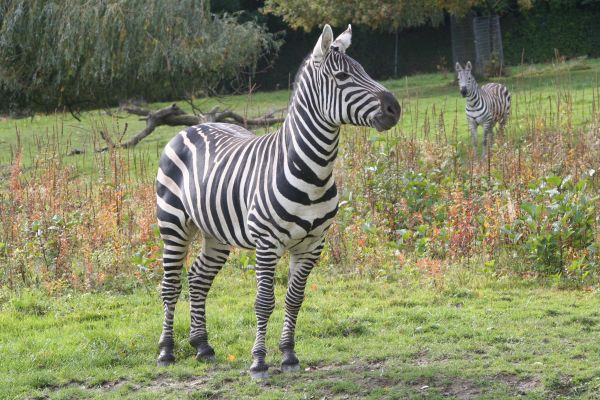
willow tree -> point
(57, 53)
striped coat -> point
(272, 193)
(487, 106)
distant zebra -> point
(270, 193)
(486, 106)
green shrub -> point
(557, 226)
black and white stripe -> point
(271, 193)
(486, 106)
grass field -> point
(357, 338)
(441, 278)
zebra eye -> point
(342, 76)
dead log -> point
(174, 116)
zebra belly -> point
(226, 217)
(477, 115)
(308, 227)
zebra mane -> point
(301, 68)
(297, 77)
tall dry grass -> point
(64, 228)
(410, 198)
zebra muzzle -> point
(389, 114)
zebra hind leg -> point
(266, 259)
(201, 275)
(176, 240)
(502, 129)
(300, 267)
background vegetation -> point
(442, 276)
(531, 32)
(412, 195)
(81, 54)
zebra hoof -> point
(290, 367)
(255, 375)
(290, 362)
(210, 358)
(206, 354)
(165, 345)
(165, 359)
(259, 370)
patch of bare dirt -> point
(520, 385)
(465, 389)
(462, 389)
(367, 376)
(187, 385)
(110, 385)
(160, 383)
(422, 359)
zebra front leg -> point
(176, 243)
(201, 275)
(300, 267)
(487, 140)
(266, 259)
(473, 130)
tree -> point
(390, 15)
(378, 14)
(96, 53)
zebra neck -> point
(474, 97)
(310, 144)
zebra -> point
(486, 105)
(271, 193)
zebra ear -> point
(458, 67)
(468, 67)
(322, 46)
(343, 41)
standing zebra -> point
(270, 193)
(486, 105)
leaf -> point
(581, 185)
(530, 208)
(565, 183)
(554, 180)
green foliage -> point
(390, 15)
(425, 206)
(81, 53)
(533, 37)
(382, 14)
(558, 224)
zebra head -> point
(346, 94)
(466, 82)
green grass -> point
(357, 338)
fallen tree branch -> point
(174, 116)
